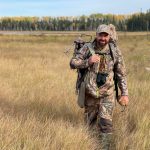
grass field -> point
(38, 109)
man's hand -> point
(94, 59)
(124, 100)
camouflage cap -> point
(103, 28)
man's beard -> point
(101, 43)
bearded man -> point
(102, 60)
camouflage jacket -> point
(80, 61)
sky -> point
(57, 8)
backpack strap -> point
(91, 49)
(113, 49)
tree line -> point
(135, 22)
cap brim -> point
(103, 32)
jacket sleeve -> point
(121, 73)
(80, 60)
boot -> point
(106, 139)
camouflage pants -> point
(98, 112)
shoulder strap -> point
(90, 46)
(112, 47)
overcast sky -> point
(70, 7)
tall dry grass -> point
(38, 108)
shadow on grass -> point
(41, 110)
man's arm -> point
(121, 78)
(80, 60)
(83, 59)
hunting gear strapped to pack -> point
(84, 80)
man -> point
(102, 59)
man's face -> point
(102, 38)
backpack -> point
(113, 35)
